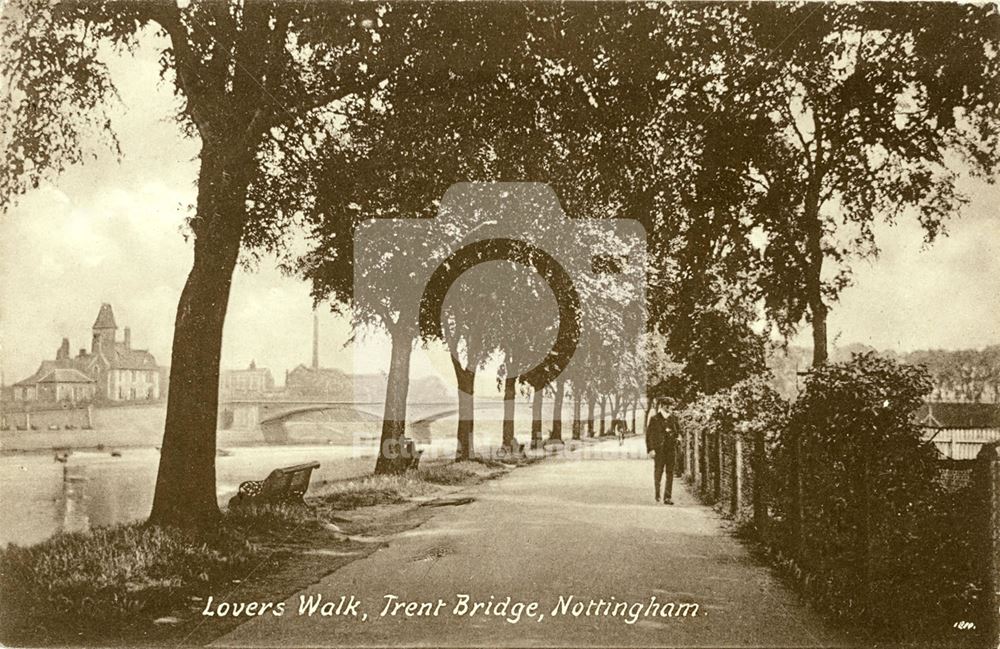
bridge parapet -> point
(252, 413)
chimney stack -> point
(63, 353)
(315, 341)
(128, 338)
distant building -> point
(251, 382)
(330, 384)
(111, 371)
(52, 383)
(323, 382)
(958, 430)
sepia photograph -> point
(499, 323)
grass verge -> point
(93, 585)
(392, 489)
(369, 491)
(109, 585)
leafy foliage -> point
(869, 116)
(253, 79)
(749, 409)
(859, 504)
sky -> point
(112, 231)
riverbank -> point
(131, 584)
(24, 442)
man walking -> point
(661, 440)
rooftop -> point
(63, 375)
(105, 318)
(50, 372)
(124, 358)
(958, 415)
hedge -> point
(849, 496)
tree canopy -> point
(756, 143)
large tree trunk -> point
(557, 405)
(185, 493)
(632, 428)
(616, 412)
(814, 281)
(466, 411)
(536, 417)
(390, 459)
(577, 403)
(509, 396)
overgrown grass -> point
(455, 473)
(96, 584)
(271, 518)
(371, 490)
(392, 489)
(113, 582)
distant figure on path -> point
(661, 440)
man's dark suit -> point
(661, 436)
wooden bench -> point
(286, 485)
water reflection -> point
(72, 515)
(42, 494)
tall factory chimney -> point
(315, 340)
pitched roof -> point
(123, 358)
(958, 415)
(43, 369)
(63, 375)
(105, 318)
(50, 372)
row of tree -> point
(592, 415)
(756, 143)
(969, 375)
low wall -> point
(46, 419)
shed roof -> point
(958, 415)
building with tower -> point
(112, 371)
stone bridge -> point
(270, 415)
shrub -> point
(859, 503)
(751, 410)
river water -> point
(40, 496)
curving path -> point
(564, 527)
